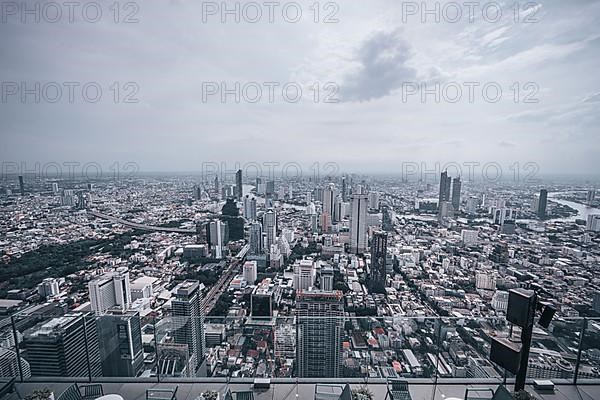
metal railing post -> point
(17, 351)
(579, 349)
(156, 349)
(438, 331)
(87, 350)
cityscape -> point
(339, 277)
(299, 200)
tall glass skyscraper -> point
(319, 333)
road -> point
(228, 274)
(218, 288)
(140, 226)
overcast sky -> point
(374, 54)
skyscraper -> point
(377, 273)
(9, 364)
(591, 196)
(270, 189)
(256, 239)
(319, 333)
(120, 339)
(250, 272)
(270, 227)
(327, 279)
(444, 195)
(110, 290)
(374, 200)
(329, 201)
(189, 320)
(456, 186)
(358, 224)
(217, 237)
(217, 187)
(21, 185)
(543, 202)
(304, 274)
(238, 185)
(344, 189)
(249, 208)
(62, 346)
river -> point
(582, 210)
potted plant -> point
(210, 395)
(523, 395)
(41, 394)
(362, 393)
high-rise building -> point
(501, 215)
(21, 185)
(62, 347)
(9, 364)
(596, 302)
(500, 300)
(377, 273)
(120, 339)
(250, 272)
(344, 189)
(217, 237)
(284, 341)
(142, 288)
(270, 189)
(68, 198)
(249, 208)
(319, 318)
(189, 316)
(543, 202)
(456, 186)
(197, 192)
(445, 183)
(270, 227)
(327, 279)
(472, 204)
(48, 288)
(238, 185)
(256, 239)
(485, 281)
(54, 187)
(374, 200)
(304, 274)
(261, 300)
(591, 196)
(358, 224)
(329, 200)
(110, 290)
(593, 223)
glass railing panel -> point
(464, 350)
(394, 347)
(244, 347)
(9, 362)
(554, 350)
(179, 347)
(124, 342)
(56, 345)
(241, 348)
(589, 366)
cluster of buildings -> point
(341, 277)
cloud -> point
(381, 68)
(594, 98)
(507, 144)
